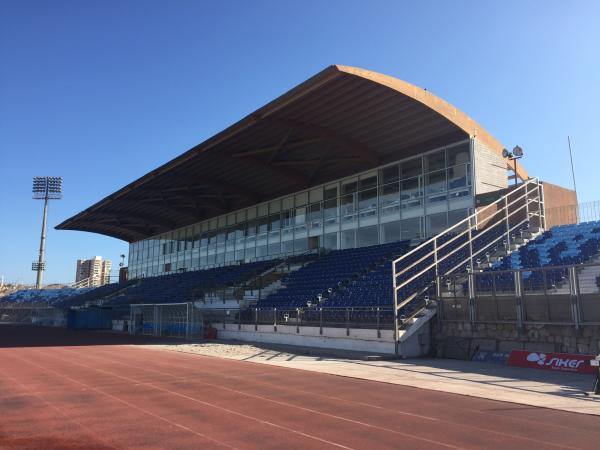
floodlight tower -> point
(44, 188)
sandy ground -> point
(562, 391)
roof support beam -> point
(133, 218)
(192, 185)
(280, 145)
(126, 234)
(270, 148)
(327, 134)
(294, 175)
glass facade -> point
(410, 199)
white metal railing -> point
(521, 206)
(86, 283)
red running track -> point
(106, 393)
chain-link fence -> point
(36, 315)
(180, 320)
(577, 213)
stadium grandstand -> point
(356, 210)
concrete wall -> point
(490, 169)
(461, 339)
(560, 205)
(364, 340)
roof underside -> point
(339, 122)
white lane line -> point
(454, 424)
(355, 377)
(211, 405)
(32, 393)
(128, 404)
(312, 411)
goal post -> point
(178, 320)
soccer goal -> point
(180, 320)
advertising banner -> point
(564, 362)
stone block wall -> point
(461, 339)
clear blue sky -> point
(102, 92)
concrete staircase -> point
(517, 241)
(271, 281)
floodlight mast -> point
(44, 188)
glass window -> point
(180, 241)
(390, 175)
(348, 207)
(330, 204)
(316, 195)
(287, 203)
(459, 154)
(263, 210)
(204, 240)
(389, 195)
(435, 182)
(287, 247)
(411, 168)
(347, 239)
(274, 222)
(301, 199)
(300, 245)
(456, 216)
(300, 218)
(196, 237)
(367, 201)
(368, 182)
(435, 161)
(230, 235)
(457, 176)
(330, 193)
(410, 228)
(287, 218)
(315, 218)
(436, 223)
(274, 244)
(411, 189)
(330, 241)
(239, 251)
(251, 228)
(349, 187)
(263, 225)
(240, 231)
(367, 236)
(390, 232)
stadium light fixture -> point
(44, 188)
(517, 153)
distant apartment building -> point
(95, 270)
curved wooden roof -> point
(341, 121)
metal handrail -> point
(522, 193)
(467, 219)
